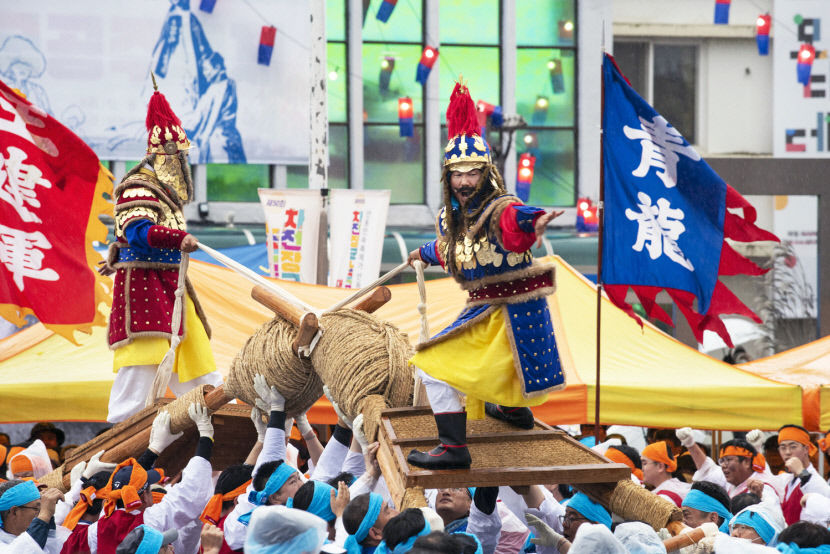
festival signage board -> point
(292, 228)
(357, 225)
(88, 63)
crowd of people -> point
(300, 495)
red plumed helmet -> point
(166, 133)
(461, 113)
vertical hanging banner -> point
(292, 223)
(357, 224)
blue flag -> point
(664, 205)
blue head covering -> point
(405, 546)
(756, 521)
(353, 541)
(18, 495)
(701, 501)
(590, 509)
(275, 483)
(320, 501)
(150, 542)
(789, 548)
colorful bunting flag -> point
(425, 64)
(266, 44)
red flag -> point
(51, 194)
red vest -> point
(113, 529)
(225, 548)
(78, 542)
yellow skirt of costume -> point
(194, 357)
(479, 363)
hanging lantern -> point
(540, 110)
(207, 5)
(266, 44)
(566, 29)
(485, 110)
(806, 55)
(557, 79)
(405, 116)
(387, 66)
(385, 10)
(425, 65)
(587, 218)
(524, 178)
(722, 12)
(762, 28)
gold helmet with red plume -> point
(167, 136)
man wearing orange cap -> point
(658, 465)
(129, 501)
(795, 447)
(738, 464)
(146, 257)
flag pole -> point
(600, 225)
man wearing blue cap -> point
(581, 509)
(26, 516)
(704, 502)
(146, 539)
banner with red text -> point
(292, 228)
(51, 194)
(357, 224)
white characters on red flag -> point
(18, 181)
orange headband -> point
(3, 452)
(824, 443)
(617, 456)
(797, 435)
(659, 452)
(78, 511)
(213, 511)
(128, 494)
(19, 464)
(758, 460)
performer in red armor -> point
(151, 235)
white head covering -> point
(596, 539)
(41, 463)
(277, 530)
(771, 513)
(724, 544)
(639, 538)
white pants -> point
(132, 385)
(442, 397)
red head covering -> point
(166, 133)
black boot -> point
(519, 417)
(452, 453)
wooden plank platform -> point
(502, 455)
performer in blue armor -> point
(501, 349)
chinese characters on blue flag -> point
(666, 216)
(664, 205)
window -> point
(546, 97)
(665, 75)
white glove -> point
(357, 432)
(545, 536)
(337, 409)
(261, 426)
(160, 435)
(95, 465)
(289, 424)
(76, 473)
(756, 439)
(200, 416)
(303, 425)
(685, 436)
(270, 399)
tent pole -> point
(601, 224)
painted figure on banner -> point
(21, 64)
(146, 258)
(485, 235)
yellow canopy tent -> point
(648, 378)
(807, 366)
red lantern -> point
(405, 116)
(524, 179)
(762, 28)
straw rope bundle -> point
(634, 503)
(54, 479)
(359, 356)
(268, 351)
(179, 418)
